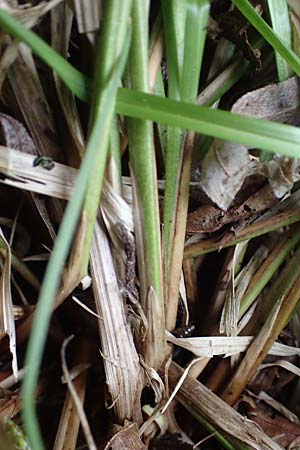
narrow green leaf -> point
(262, 134)
(72, 77)
(58, 257)
(114, 32)
(194, 41)
(178, 160)
(281, 25)
(254, 133)
(143, 165)
(270, 36)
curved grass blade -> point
(254, 133)
(72, 77)
(270, 36)
(59, 256)
(262, 134)
(114, 32)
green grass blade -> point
(255, 133)
(58, 257)
(174, 15)
(174, 12)
(195, 34)
(262, 134)
(178, 159)
(281, 25)
(72, 77)
(114, 32)
(142, 159)
(273, 266)
(270, 36)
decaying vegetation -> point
(149, 229)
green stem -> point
(114, 31)
(143, 165)
(56, 262)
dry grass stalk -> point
(179, 234)
(258, 228)
(123, 372)
(57, 182)
(219, 413)
(209, 346)
(190, 279)
(30, 98)
(31, 101)
(87, 15)
(7, 322)
(26, 14)
(235, 291)
(260, 346)
(278, 406)
(61, 25)
(77, 398)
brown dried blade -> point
(35, 111)
(13, 134)
(61, 25)
(208, 218)
(123, 372)
(7, 323)
(218, 413)
(126, 437)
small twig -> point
(83, 420)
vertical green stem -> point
(142, 159)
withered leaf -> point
(223, 171)
(277, 102)
(233, 26)
(226, 165)
(13, 134)
(127, 438)
(275, 425)
(207, 218)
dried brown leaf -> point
(218, 413)
(278, 102)
(126, 438)
(61, 25)
(123, 372)
(223, 171)
(275, 425)
(7, 322)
